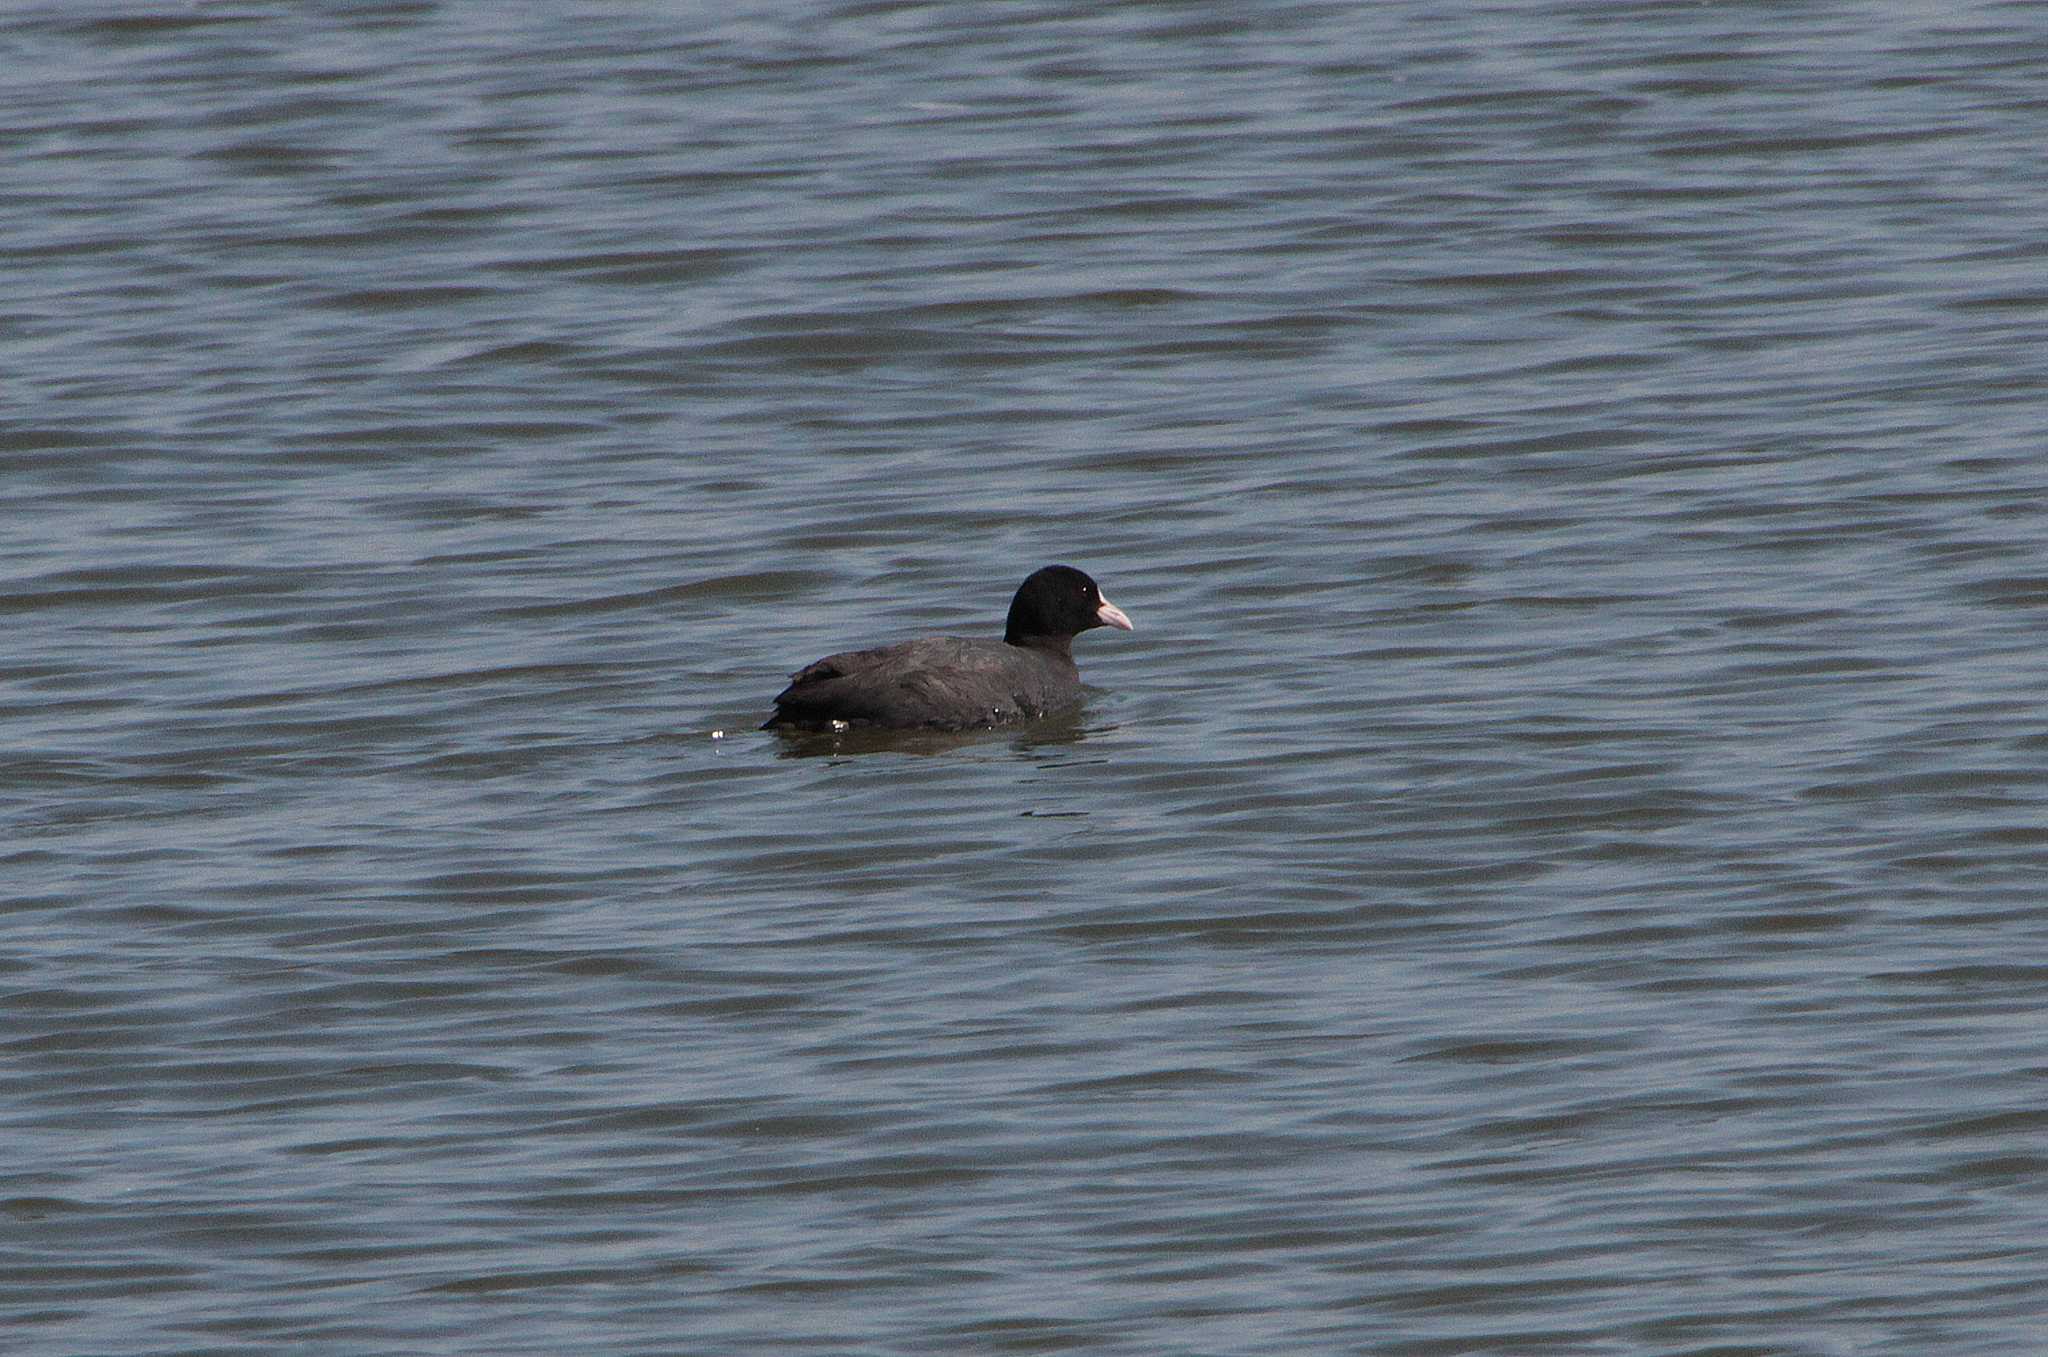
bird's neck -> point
(1059, 646)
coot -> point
(951, 683)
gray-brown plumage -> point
(953, 683)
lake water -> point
(1559, 867)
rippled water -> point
(1557, 869)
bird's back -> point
(935, 683)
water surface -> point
(1556, 869)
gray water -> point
(1559, 867)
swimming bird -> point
(951, 682)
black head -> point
(1057, 604)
